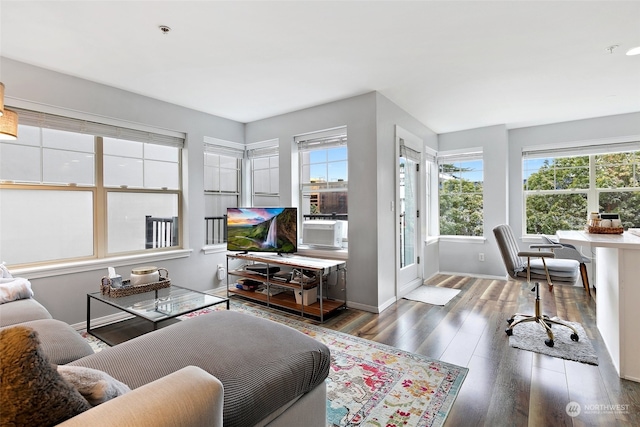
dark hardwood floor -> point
(505, 386)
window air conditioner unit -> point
(322, 233)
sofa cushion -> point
(94, 385)
(59, 341)
(262, 364)
(33, 393)
(22, 310)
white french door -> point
(409, 274)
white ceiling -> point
(452, 65)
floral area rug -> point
(372, 384)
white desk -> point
(617, 295)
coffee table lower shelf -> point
(124, 330)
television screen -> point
(262, 229)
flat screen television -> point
(262, 230)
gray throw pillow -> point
(94, 385)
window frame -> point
(97, 131)
(305, 145)
(592, 192)
(468, 155)
(229, 150)
(316, 141)
(264, 150)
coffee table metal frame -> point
(149, 309)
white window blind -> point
(254, 153)
(408, 152)
(52, 121)
(324, 139)
(224, 148)
(581, 150)
(459, 157)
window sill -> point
(215, 249)
(340, 254)
(463, 239)
(431, 240)
(97, 264)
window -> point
(430, 168)
(222, 184)
(323, 173)
(461, 194)
(265, 174)
(72, 189)
(561, 186)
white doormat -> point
(432, 294)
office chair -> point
(568, 251)
(521, 267)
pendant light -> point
(1, 99)
(8, 120)
(9, 125)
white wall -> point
(358, 115)
(64, 294)
(461, 255)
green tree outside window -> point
(557, 190)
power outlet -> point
(481, 256)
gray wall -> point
(359, 115)
(601, 129)
(370, 119)
(388, 116)
(503, 178)
(462, 255)
(31, 87)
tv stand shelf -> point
(320, 268)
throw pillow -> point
(13, 289)
(94, 385)
(4, 272)
(33, 393)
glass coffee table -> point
(150, 310)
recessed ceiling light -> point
(634, 51)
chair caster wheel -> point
(509, 331)
(510, 321)
(549, 343)
(574, 337)
(549, 324)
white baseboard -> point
(363, 307)
(388, 303)
(479, 276)
(101, 321)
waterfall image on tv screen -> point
(262, 229)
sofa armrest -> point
(187, 397)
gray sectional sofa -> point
(219, 369)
